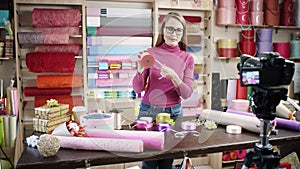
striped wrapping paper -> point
(38, 62)
(59, 81)
(119, 31)
(115, 50)
(43, 17)
(118, 40)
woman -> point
(169, 79)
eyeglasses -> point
(171, 30)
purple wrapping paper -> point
(280, 122)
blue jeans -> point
(147, 110)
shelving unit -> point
(25, 78)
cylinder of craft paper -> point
(151, 139)
(223, 118)
(107, 144)
(280, 122)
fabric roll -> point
(55, 38)
(59, 81)
(34, 91)
(69, 30)
(71, 100)
(38, 62)
(62, 48)
(43, 17)
(106, 144)
(151, 139)
(30, 38)
(250, 123)
(280, 122)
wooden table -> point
(217, 141)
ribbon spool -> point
(143, 124)
(147, 61)
(164, 118)
(163, 126)
(188, 125)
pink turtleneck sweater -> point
(162, 92)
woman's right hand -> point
(140, 67)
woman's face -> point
(173, 32)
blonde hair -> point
(183, 42)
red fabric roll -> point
(63, 48)
(34, 91)
(50, 62)
(71, 100)
(55, 17)
(59, 81)
(241, 91)
(69, 30)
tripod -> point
(265, 101)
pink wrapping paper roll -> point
(250, 123)
(42, 18)
(38, 62)
(68, 30)
(151, 139)
(106, 144)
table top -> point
(209, 141)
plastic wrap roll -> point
(42, 17)
(59, 81)
(151, 139)
(107, 144)
(38, 62)
(250, 123)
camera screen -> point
(250, 77)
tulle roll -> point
(107, 144)
(62, 48)
(38, 62)
(43, 17)
(34, 91)
(151, 139)
(59, 81)
(249, 123)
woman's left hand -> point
(168, 72)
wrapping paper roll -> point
(30, 38)
(107, 144)
(55, 38)
(280, 122)
(59, 81)
(250, 123)
(34, 91)
(71, 100)
(69, 30)
(55, 17)
(38, 62)
(151, 139)
(62, 48)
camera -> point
(267, 70)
